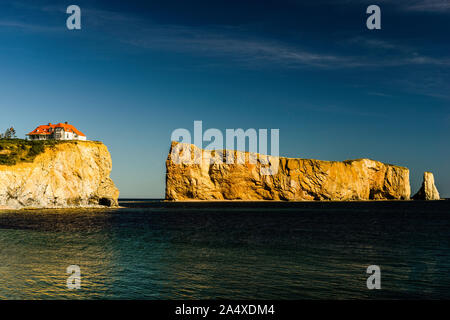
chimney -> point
(65, 122)
(49, 123)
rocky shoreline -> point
(73, 175)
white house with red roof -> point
(60, 131)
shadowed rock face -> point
(428, 191)
(295, 179)
(72, 174)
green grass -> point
(13, 151)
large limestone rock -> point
(71, 174)
(296, 179)
(428, 191)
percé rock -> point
(428, 191)
(296, 179)
(66, 175)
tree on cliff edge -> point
(9, 134)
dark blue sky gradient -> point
(140, 69)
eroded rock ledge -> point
(295, 180)
(66, 175)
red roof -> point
(49, 128)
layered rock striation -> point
(65, 175)
(293, 179)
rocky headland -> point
(295, 179)
(71, 174)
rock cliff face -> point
(295, 179)
(70, 174)
(428, 191)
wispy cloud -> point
(29, 27)
(376, 43)
(396, 54)
(219, 42)
(232, 44)
(435, 84)
(427, 5)
(341, 110)
(379, 94)
(435, 6)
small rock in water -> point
(428, 191)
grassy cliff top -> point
(13, 151)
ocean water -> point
(234, 250)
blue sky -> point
(138, 70)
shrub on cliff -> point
(13, 151)
(36, 148)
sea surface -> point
(230, 250)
